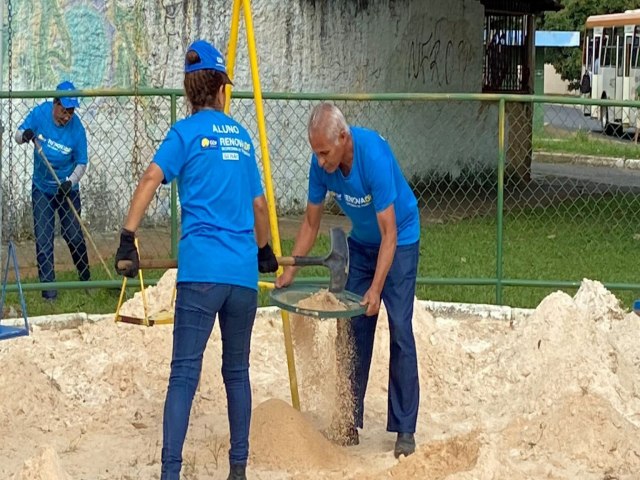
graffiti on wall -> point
(97, 43)
(440, 56)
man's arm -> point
(77, 174)
(24, 136)
(389, 233)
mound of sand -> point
(159, 298)
(555, 396)
(283, 438)
(45, 466)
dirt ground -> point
(555, 395)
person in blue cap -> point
(63, 139)
(358, 166)
(223, 246)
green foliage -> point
(579, 238)
(568, 61)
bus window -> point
(586, 48)
(607, 54)
(596, 55)
(589, 50)
(636, 47)
(619, 46)
(627, 55)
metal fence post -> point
(174, 193)
(500, 199)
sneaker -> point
(49, 300)
(405, 445)
(49, 296)
(237, 472)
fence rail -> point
(514, 191)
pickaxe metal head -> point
(337, 261)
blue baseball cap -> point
(210, 58)
(68, 102)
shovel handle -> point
(300, 261)
(159, 263)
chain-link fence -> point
(565, 206)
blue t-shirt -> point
(374, 182)
(65, 146)
(213, 159)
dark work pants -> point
(45, 207)
(397, 294)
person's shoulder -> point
(366, 134)
(191, 125)
(368, 139)
(232, 121)
(43, 107)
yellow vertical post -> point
(266, 164)
(232, 50)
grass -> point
(583, 143)
(580, 239)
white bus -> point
(610, 57)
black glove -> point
(127, 259)
(63, 190)
(28, 135)
(267, 262)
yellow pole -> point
(273, 219)
(233, 49)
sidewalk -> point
(590, 160)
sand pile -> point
(159, 297)
(554, 396)
(45, 466)
(323, 299)
(282, 438)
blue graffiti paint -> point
(90, 47)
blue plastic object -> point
(636, 307)
(7, 331)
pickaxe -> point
(337, 261)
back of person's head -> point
(328, 118)
(204, 74)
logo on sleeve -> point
(209, 143)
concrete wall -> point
(553, 83)
(304, 46)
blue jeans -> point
(45, 207)
(196, 307)
(397, 294)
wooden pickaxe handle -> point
(164, 263)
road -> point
(604, 176)
(569, 117)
